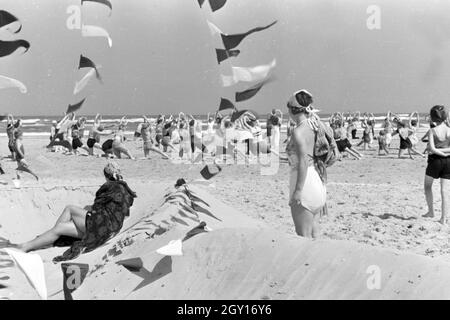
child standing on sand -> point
(438, 160)
(382, 143)
(19, 150)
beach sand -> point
(376, 202)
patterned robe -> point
(112, 204)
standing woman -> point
(307, 190)
(277, 120)
(388, 129)
(11, 127)
(438, 160)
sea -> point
(40, 125)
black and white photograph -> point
(249, 151)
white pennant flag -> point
(227, 81)
(6, 82)
(80, 85)
(95, 31)
(251, 74)
(32, 266)
(174, 248)
(213, 28)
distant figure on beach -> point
(94, 225)
(340, 136)
(276, 119)
(118, 146)
(438, 161)
(19, 151)
(11, 127)
(148, 143)
(407, 137)
(308, 173)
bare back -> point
(441, 135)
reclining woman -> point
(93, 227)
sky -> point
(163, 55)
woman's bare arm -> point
(302, 154)
(433, 149)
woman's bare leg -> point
(48, 238)
(428, 188)
(75, 214)
(353, 154)
(417, 152)
(303, 221)
(355, 151)
(158, 151)
(71, 223)
(444, 195)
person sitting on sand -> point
(19, 151)
(307, 188)
(93, 226)
(438, 161)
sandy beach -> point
(368, 210)
(366, 199)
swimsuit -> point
(438, 167)
(313, 196)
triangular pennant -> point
(73, 276)
(251, 92)
(6, 82)
(233, 40)
(105, 2)
(95, 31)
(207, 174)
(75, 107)
(217, 4)
(213, 28)
(201, 228)
(7, 18)
(252, 74)
(32, 266)
(236, 115)
(9, 47)
(85, 62)
(225, 104)
(223, 54)
(80, 85)
(174, 248)
(133, 264)
(201, 2)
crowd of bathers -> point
(345, 128)
(185, 137)
(182, 136)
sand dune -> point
(241, 258)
